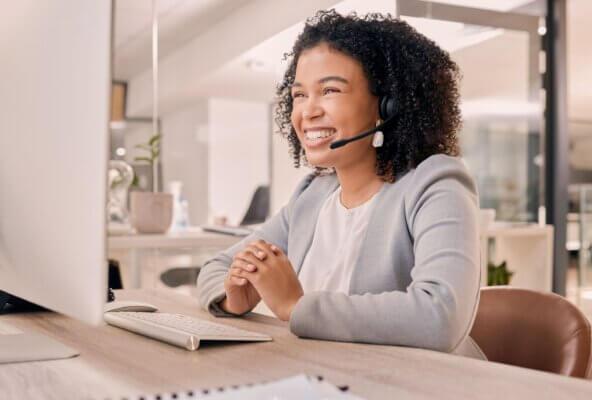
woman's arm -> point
(210, 281)
(436, 311)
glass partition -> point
(497, 47)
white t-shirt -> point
(338, 237)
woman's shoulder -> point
(441, 170)
(441, 166)
(314, 182)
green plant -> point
(498, 274)
(152, 157)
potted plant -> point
(151, 212)
(498, 274)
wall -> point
(238, 155)
(285, 176)
(185, 156)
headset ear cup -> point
(387, 107)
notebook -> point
(297, 387)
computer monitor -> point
(55, 78)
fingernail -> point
(250, 267)
(260, 254)
(243, 281)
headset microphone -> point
(387, 111)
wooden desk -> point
(115, 362)
(193, 238)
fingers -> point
(247, 257)
(241, 276)
(238, 281)
(266, 247)
(263, 248)
(256, 251)
(235, 277)
(240, 263)
(232, 280)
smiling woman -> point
(388, 58)
(380, 243)
(332, 100)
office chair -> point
(531, 329)
(258, 208)
(257, 213)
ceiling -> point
(178, 22)
(229, 48)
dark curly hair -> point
(397, 61)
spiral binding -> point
(200, 393)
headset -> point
(387, 109)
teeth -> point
(319, 134)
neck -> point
(359, 183)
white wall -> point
(185, 156)
(239, 152)
(285, 176)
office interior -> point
(213, 65)
(216, 100)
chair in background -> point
(530, 329)
(257, 213)
(258, 208)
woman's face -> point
(332, 101)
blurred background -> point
(220, 60)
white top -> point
(338, 237)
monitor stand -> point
(12, 304)
(23, 347)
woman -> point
(380, 243)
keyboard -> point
(228, 230)
(179, 330)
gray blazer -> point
(416, 281)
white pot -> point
(151, 212)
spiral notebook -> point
(297, 387)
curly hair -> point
(397, 61)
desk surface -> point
(115, 362)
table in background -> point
(192, 238)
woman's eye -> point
(330, 90)
(297, 94)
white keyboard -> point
(179, 330)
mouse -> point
(127, 305)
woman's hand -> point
(268, 269)
(241, 296)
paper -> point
(298, 387)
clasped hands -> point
(261, 271)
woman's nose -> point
(311, 109)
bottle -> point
(180, 221)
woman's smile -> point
(315, 137)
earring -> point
(378, 138)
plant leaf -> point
(154, 139)
(145, 159)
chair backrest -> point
(532, 329)
(259, 208)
